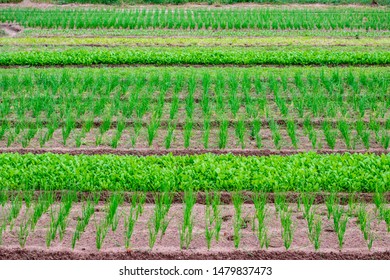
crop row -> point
(301, 172)
(45, 95)
(209, 2)
(36, 106)
(145, 18)
(116, 211)
(192, 41)
(221, 134)
(356, 34)
(194, 55)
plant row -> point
(207, 135)
(193, 55)
(300, 172)
(65, 94)
(337, 33)
(192, 41)
(36, 106)
(256, 18)
(116, 211)
(210, 2)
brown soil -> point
(31, 254)
(11, 30)
(225, 197)
(192, 66)
(168, 247)
(181, 152)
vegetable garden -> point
(195, 132)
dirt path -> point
(30, 254)
(180, 152)
(11, 30)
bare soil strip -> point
(181, 152)
(225, 197)
(27, 254)
(11, 29)
(191, 66)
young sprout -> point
(129, 225)
(188, 221)
(101, 233)
(340, 220)
(287, 228)
(260, 201)
(238, 221)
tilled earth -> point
(168, 246)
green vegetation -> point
(187, 225)
(195, 55)
(258, 18)
(332, 108)
(193, 41)
(307, 83)
(169, 33)
(109, 172)
(213, 217)
(192, 224)
(211, 2)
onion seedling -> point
(87, 211)
(287, 228)
(238, 221)
(129, 225)
(188, 220)
(340, 220)
(209, 232)
(112, 218)
(223, 134)
(240, 132)
(23, 231)
(260, 201)
(101, 233)
(16, 206)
